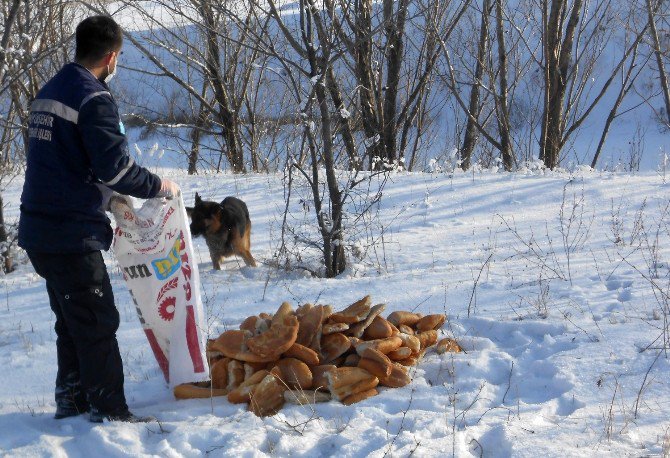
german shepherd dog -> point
(225, 226)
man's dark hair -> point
(95, 37)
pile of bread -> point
(313, 354)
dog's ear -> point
(189, 211)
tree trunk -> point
(196, 133)
(332, 236)
(8, 262)
(330, 225)
(345, 122)
(195, 149)
(226, 114)
(501, 102)
(662, 74)
(252, 132)
(366, 82)
(557, 54)
(395, 29)
(7, 31)
(470, 136)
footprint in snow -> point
(516, 359)
(625, 295)
(494, 442)
(562, 406)
(615, 283)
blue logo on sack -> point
(165, 267)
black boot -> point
(70, 398)
(126, 416)
(66, 411)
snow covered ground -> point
(562, 334)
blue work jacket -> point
(77, 155)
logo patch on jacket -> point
(41, 126)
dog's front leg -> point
(216, 261)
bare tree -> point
(474, 107)
(394, 25)
(558, 41)
(212, 61)
(502, 105)
(652, 10)
(312, 53)
(487, 78)
(311, 48)
(628, 79)
(571, 52)
(392, 74)
(10, 10)
(229, 102)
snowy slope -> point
(635, 135)
(553, 366)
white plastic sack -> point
(154, 250)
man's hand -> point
(169, 189)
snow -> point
(553, 366)
(562, 335)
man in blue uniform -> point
(77, 155)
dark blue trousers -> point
(90, 370)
